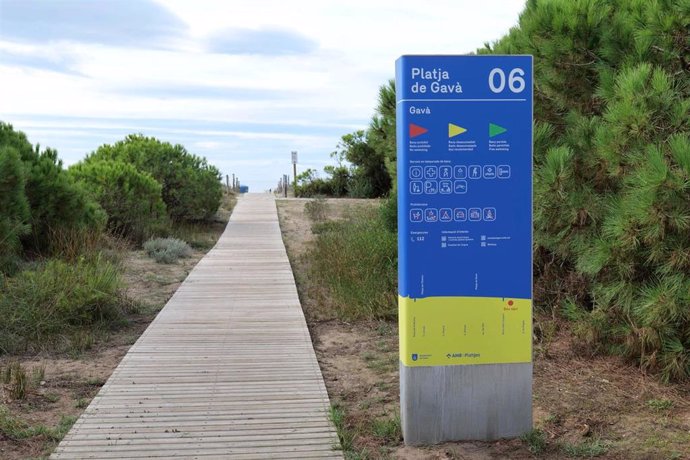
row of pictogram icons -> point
(432, 187)
(460, 172)
(452, 215)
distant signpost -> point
(464, 130)
(294, 169)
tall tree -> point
(14, 208)
(369, 177)
(612, 170)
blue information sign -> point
(465, 208)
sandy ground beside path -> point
(585, 406)
(71, 381)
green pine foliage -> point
(612, 171)
(381, 132)
(56, 203)
(191, 188)
(14, 219)
(369, 177)
(132, 199)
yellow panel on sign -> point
(446, 331)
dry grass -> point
(584, 405)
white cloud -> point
(328, 82)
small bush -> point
(167, 250)
(43, 305)
(357, 260)
(16, 380)
(535, 440)
(132, 199)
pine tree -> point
(612, 170)
(14, 208)
(131, 199)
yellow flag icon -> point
(454, 130)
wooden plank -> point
(227, 368)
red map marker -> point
(416, 130)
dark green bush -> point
(131, 199)
(56, 202)
(14, 208)
(612, 171)
(369, 177)
(191, 188)
(39, 306)
(381, 132)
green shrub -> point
(191, 188)
(167, 250)
(56, 202)
(612, 168)
(131, 199)
(357, 260)
(361, 171)
(369, 176)
(40, 307)
(14, 217)
(535, 440)
(309, 185)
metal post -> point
(294, 174)
(294, 169)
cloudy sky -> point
(241, 82)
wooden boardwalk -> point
(226, 370)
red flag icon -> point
(416, 130)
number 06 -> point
(516, 82)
